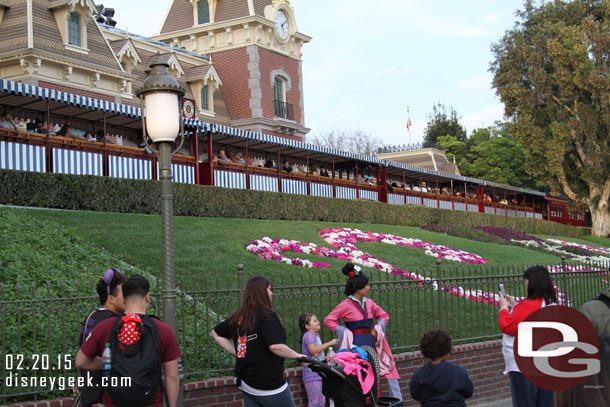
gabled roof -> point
(127, 48)
(196, 73)
(46, 37)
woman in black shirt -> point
(257, 338)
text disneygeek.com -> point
(61, 383)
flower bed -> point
(603, 250)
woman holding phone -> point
(540, 293)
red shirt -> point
(510, 321)
(168, 346)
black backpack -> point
(142, 364)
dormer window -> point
(74, 29)
(203, 12)
(205, 97)
(72, 17)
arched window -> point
(74, 32)
(280, 89)
(203, 12)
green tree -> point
(440, 124)
(552, 71)
(494, 156)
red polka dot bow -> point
(130, 333)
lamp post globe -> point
(161, 101)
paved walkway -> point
(499, 403)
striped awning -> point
(23, 89)
(267, 138)
(38, 92)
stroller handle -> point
(322, 365)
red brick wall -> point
(75, 91)
(483, 361)
(232, 66)
(270, 61)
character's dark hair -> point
(136, 286)
(305, 319)
(256, 299)
(435, 344)
(540, 284)
(102, 288)
(355, 282)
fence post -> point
(440, 294)
(240, 282)
(565, 281)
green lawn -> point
(75, 247)
(215, 246)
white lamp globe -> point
(161, 93)
(162, 116)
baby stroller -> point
(345, 389)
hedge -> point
(84, 192)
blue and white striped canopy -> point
(266, 138)
(23, 89)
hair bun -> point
(347, 268)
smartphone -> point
(502, 289)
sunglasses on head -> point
(108, 276)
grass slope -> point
(215, 246)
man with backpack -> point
(110, 292)
(140, 344)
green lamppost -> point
(161, 101)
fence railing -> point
(35, 324)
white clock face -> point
(281, 25)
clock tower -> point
(255, 47)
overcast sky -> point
(370, 60)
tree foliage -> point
(442, 124)
(355, 141)
(492, 154)
(552, 71)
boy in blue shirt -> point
(438, 382)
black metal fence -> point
(36, 325)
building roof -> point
(46, 37)
(14, 28)
(179, 16)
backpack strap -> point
(604, 299)
(82, 336)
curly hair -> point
(102, 288)
(435, 344)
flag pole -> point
(409, 124)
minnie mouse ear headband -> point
(350, 270)
(108, 276)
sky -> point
(370, 62)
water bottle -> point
(106, 360)
(330, 356)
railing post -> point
(565, 281)
(240, 282)
(439, 293)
